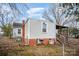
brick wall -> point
(32, 42)
(45, 41)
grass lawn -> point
(40, 50)
(37, 51)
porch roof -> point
(59, 26)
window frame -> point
(19, 32)
(46, 27)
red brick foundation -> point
(45, 41)
(26, 41)
(52, 41)
(32, 42)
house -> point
(36, 31)
(17, 30)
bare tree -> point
(9, 12)
(58, 13)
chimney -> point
(23, 33)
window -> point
(44, 27)
(19, 31)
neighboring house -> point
(17, 30)
(36, 31)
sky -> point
(28, 10)
(35, 10)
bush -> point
(7, 30)
(75, 32)
(7, 45)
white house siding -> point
(15, 32)
(36, 29)
(26, 30)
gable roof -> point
(59, 26)
(38, 19)
(17, 25)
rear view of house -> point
(39, 31)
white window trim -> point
(46, 27)
(20, 30)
